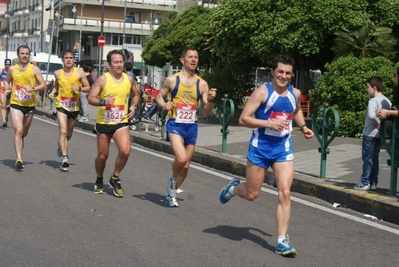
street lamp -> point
(80, 27)
(74, 14)
(153, 22)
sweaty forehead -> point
(284, 67)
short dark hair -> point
(22, 47)
(128, 66)
(87, 68)
(376, 82)
(68, 51)
(284, 59)
(115, 52)
(188, 48)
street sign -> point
(101, 40)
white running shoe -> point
(172, 201)
(65, 164)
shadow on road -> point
(54, 164)
(11, 163)
(240, 233)
(155, 198)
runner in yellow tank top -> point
(117, 112)
(111, 93)
(185, 99)
(27, 80)
(186, 88)
(68, 98)
(69, 83)
(21, 80)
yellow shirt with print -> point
(21, 79)
(185, 100)
(117, 113)
(67, 98)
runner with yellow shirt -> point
(69, 83)
(111, 92)
(27, 80)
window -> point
(117, 39)
(133, 17)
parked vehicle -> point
(42, 60)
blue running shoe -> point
(284, 249)
(224, 195)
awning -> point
(137, 66)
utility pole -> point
(8, 26)
(102, 33)
(80, 31)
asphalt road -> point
(53, 218)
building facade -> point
(52, 26)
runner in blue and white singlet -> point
(270, 111)
(268, 145)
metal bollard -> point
(140, 108)
(225, 109)
(392, 149)
(162, 116)
(50, 86)
(325, 124)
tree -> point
(258, 30)
(366, 41)
(177, 32)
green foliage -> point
(351, 123)
(366, 41)
(229, 81)
(343, 86)
(177, 32)
(246, 30)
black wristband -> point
(80, 89)
(302, 127)
(101, 102)
(209, 101)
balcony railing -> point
(108, 24)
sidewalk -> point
(344, 164)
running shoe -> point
(83, 119)
(224, 195)
(99, 186)
(65, 164)
(19, 164)
(172, 201)
(284, 249)
(171, 192)
(59, 153)
(115, 183)
(4, 123)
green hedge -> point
(343, 86)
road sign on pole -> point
(101, 40)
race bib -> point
(114, 113)
(185, 113)
(21, 94)
(280, 116)
(68, 103)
